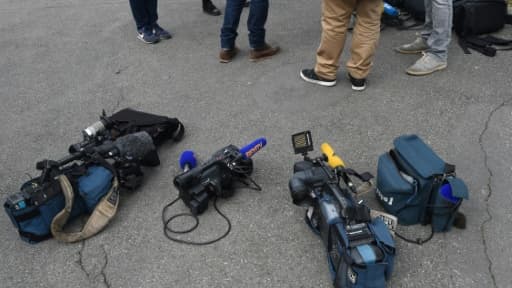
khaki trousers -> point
(335, 20)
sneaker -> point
(147, 36)
(210, 9)
(427, 64)
(263, 53)
(161, 33)
(226, 55)
(419, 45)
(310, 76)
(357, 84)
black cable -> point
(168, 229)
(240, 169)
(418, 241)
(256, 187)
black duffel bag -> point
(476, 17)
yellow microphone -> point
(333, 160)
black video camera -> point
(360, 250)
(214, 178)
(217, 175)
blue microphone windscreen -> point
(187, 158)
(446, 192)
(255, 146)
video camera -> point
(216, 176)
(111, 153)
(360, 250)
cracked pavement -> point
(63, 62)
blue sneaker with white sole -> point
(147, 36)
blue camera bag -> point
(34, 209)
(365, 265)
(417, 186)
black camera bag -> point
(160, 128)
(476, 17)
(416, 8)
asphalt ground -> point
(63, 62)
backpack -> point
(475, 17)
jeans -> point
(144, 12)
(258, 11)
(438, 27)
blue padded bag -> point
(33, 220)
(94, 185)
(409, 178)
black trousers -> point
(144, 12)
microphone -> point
(132, 146)
(187, 160)
(446, 193)
(253, 147)
(332, 159)
(390, 10)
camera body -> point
(214, 178)
(360, 250)
(316, 185)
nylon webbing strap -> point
(102, 214)
(366, 253)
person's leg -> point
(258, 11)
(335, 19)
(139, 12)
(143, 21)
(439, 39)
(427, 26)
(152, 8)
(228, 32)
(436, 56)
(364, 37)
(420, 43)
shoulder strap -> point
(476, 44)
(484, 44)
(102, 214)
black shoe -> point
(310, 76)
(210, 9)
(357, 84)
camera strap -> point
(100, 217)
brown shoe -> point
(226, 55)
(263, 53)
